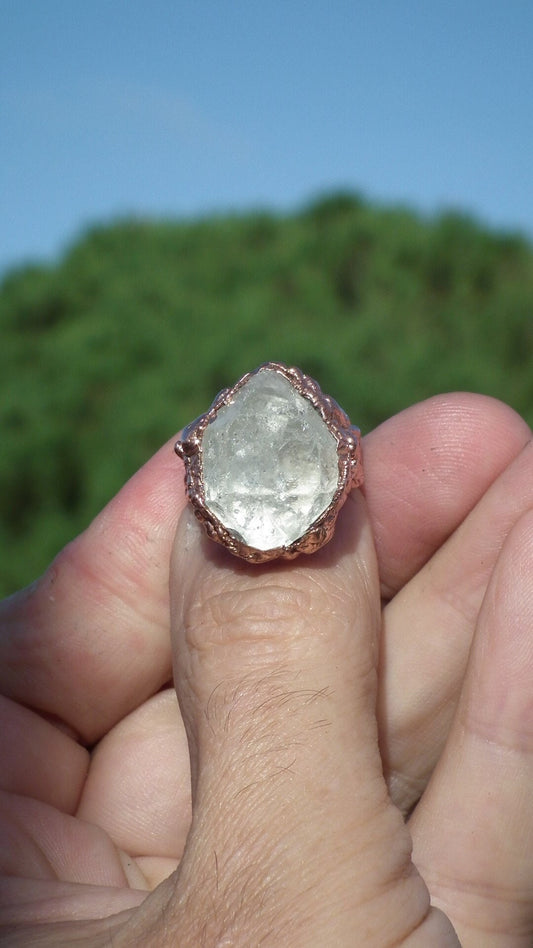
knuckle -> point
(268, 612)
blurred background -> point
(191, 188)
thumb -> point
(293, 838)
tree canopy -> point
(131, 334)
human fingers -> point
(61, 861)
(57, 652)
(138, 786)
(35, 753)
(45, 913)
(149, 818)
(428, 628)
(293, 837)
(473, 829)
(88, 642)
(426, 468)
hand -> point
(294, 839)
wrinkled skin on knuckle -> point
(265, 610)
(264, 645)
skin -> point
(356, 726)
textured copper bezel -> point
(348, 439)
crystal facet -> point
(270, 463)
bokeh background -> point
(191, 188)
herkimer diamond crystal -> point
(270, 464)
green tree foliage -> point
(107, 354)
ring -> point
(271, 463)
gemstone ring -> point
(271, 463)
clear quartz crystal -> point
(270, 464)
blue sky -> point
(114, 107)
